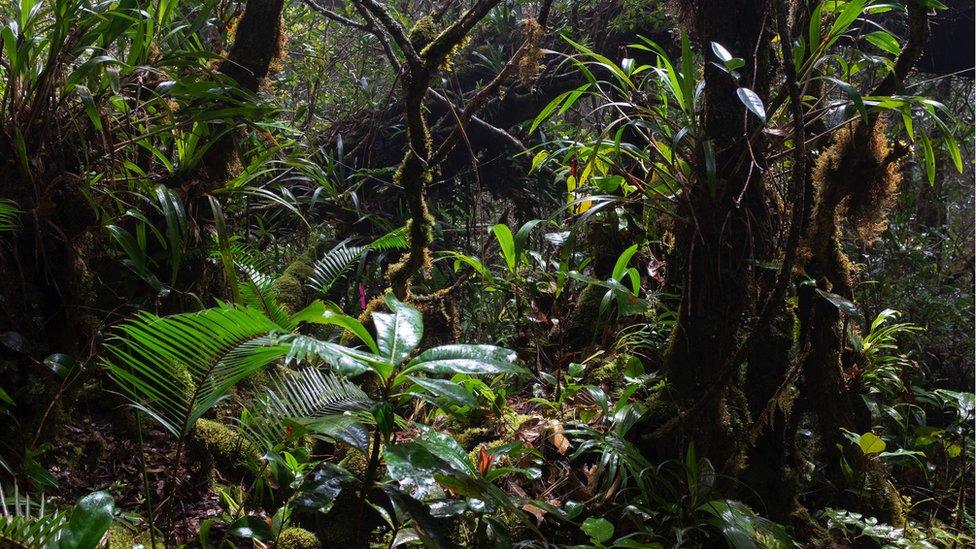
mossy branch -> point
(438, 50)
(395, 30)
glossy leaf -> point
(319, 313)
(430, 530)
(598, 529)
(319, 491)
(466, 359)
(752, 102)
(88, 522)
(399, 332)
(447, 390)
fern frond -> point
(340, 259)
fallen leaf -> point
(538, 513)
(559, 440)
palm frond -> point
(176, 368)
(23, 524)
(340, 259)
(321, 401)
(309, 393)
(257, 291)
(9, 216)
(333, 265)
(393, 240)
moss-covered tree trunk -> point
(425, 49)
(726, 227)
(257, 46)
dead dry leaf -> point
(539, 514)
(559, 440)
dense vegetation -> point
(485, 273)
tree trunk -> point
(257, 46)
(727, 226)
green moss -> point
(513, 420)
(469, 438)
(297, 538)
(423, 32)
(883, 497)
(611, 372)
(357, 462)
(120, 537)
(805, 527)
(185, 380)
(145, 540)
(515, 523)
(290, 288)
(221, 447)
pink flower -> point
(362, 296)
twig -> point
(335, 16)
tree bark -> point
(727, 226)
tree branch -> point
(395, 30)
(435, 53)
(335, 16)
(477, 102)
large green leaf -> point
(398, 333)
(598, 529)
(448, 391)
(466, 359)
(742, 528)
(319, 491)
(871, 443)
(430, 530)
(446, 448)
(88, 522)
(318, 312)
(507, 244)
(413, 466)
(348, 361)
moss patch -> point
(297, 538)
(222, 447)
(290, 288)
(120, 537)
(469, 438)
